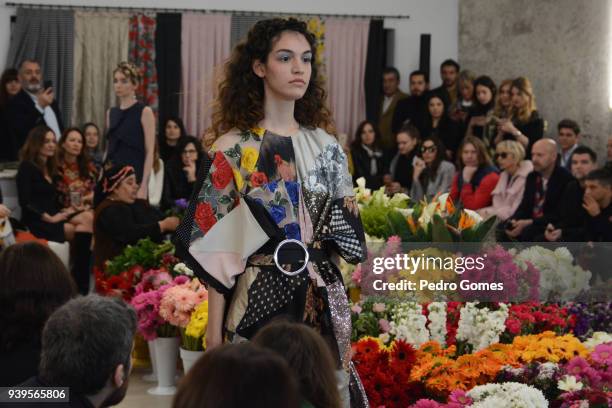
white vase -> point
(166, 356)
(189, 358)
(152, 377)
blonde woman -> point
(503, 103)
(525, 125)
(508, 192)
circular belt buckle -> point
(306, 256)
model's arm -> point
(148, 125)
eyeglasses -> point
(429, 149)
(503, 155)
(190, 151)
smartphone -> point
(48, 84)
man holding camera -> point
(34, 105)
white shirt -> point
(156, 185)
(565, 157)
(48, 116)
(387, 102)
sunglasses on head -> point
(430, 149)
(503, 155)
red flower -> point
(513, 326)
(222, 174)
(205, 216)
(402, 356)
(258, 178)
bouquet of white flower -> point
(408, 324)
(509, 395)
(481, 327)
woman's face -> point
(92, 137)
(405, 143)
(467, 90)
(189, 154)
(173, 131)
(519, 99)
(48, 148)
(122, 85)
(504, 158)
(286, 73)
(483, 94)
(436, 108)
(126, 191)
(13, 87)
(469, 155)
(505, 97)
(368, 135)
(73, 145)
(429, 151)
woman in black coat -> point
(182, 170)
(369, 159)
(440, 125)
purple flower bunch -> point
(591, 317)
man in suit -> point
(543, 194)
(569, 136)
(413, 109)
(31, 107)
(448, 91)
(391, 95)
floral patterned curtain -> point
(142, 54)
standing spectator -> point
(413, 109)
(131, 127)
(9, 87)
(34, 105)
(87, 347)
(181, 172)
(480, 120)
(173, 131)
(503, 104)
(400, 177)
(92, 145)
(541, 200)
(449, 91)
(569, 136)
(526, 126)
(391, 96)
(439, 124)
(572, 216)
(476, 176)
(34, 283)
(369, 160)
(432, 174)
(509, 190)
(597, 203)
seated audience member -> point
(413, 109)
(508, 192)
(92, 144)
(432, 174)
(439, 124)
(9, 87)
(76, 172)
(120, 219)
(310, 358)
(476, 175)
(541, 200)
(569, 136)
(388, 102)
(182, 170)
(572, 215)
(597, 200)
(33, 106)
(368, 156)
(480, 119)
(157, 179)
(503, 103)
(172, 131)
(4, 210)
(238, 376)
(525, 125)
(399, 178)
(460, 110)
(40, 208)
(34, 283)
(449, 91)
(87, 346)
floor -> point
(137, 396)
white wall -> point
(440, 18)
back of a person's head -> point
(84, 341)
(237, 376)
(309, 357)
(35, 282)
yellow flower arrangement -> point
(196, 329)
(548, 347)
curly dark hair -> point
(240, 97)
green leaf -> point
(439, 231)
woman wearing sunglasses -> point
(432, 174)
(508, 192)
